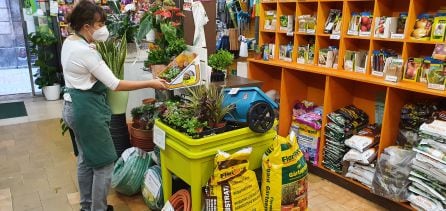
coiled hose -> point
(181, 200)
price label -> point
(397, 36)
(159, 137)
(290, 34)
(391, 78)
(335, 37)
(436, 86)
(352, 32)
(377, 73)
(234, 91)
(364, 34)
(311, 31)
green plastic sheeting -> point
(129, 171)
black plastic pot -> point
(217, 76)
(119, 133)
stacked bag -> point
(343, 123)
(362, 154)
(307, 123)
(412, 116)
(428, 175)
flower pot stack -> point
(119, 132)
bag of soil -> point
(284, 176)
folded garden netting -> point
(128, 174)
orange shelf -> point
(388, 39)
(307, 1)
(269, 31)
(303, 33)
(357, 37)
(323, 35)
(430, 42)
(269, 2)
(403, 85)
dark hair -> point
(85, 12)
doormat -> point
(11, 110)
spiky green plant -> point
(113, 52)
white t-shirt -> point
(83, 66)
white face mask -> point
(101, 34)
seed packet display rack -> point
(335, 87)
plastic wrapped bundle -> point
(392, 173)
(129, 171)
(152, 190)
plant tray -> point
(189, 64)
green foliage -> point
(120, 24)
(113, 52)
(145, 25)
(145, 115)
(157, 56)
(41, 44)
(176, 47)
(170, 74)
(221, 60)
(215, 105)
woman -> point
(87, 78)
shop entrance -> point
(15, 69)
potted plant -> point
(219, 63)
(215, 100)
(114, 52)
(259, 53)
(121, 23)
(48, 75)
(141, 130)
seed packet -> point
(423, 27)
(310, 59)
(302, 54)
(349, 60)
(361, 61)
(412, 69)
(332, 56)
(270, 20)
(355, 22)
(439, 52)
(436, 77)
(311, 25)
(322, 60)
(438, 29)
(425, 69)
(302, 23)
(266, 52)
(272, 49)
(394, 69)
(333, 18)
(400, 26)
(366, 24)
(285, 53)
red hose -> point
(181, 201)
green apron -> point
(91, 121)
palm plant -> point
(215, 104)
(114, 52)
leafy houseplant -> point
(120, 24)
(141, 129)
(48, 76)
(114, 52)
(216, 108)
(219, 62)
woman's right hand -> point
(159, 84)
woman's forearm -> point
(125, 85)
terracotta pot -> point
(142, 139)
(258, 56)
(149, 101)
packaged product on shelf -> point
(233, 186)
(308, 139)
(272, 50)
(425, 69)
(361, 61)
(385, 26)
(366, 24)
(328, 57)
(401, 26)
(151, 188)
(322, 59)
(394, 71)
(392, 173)
(270, 20)
(361, 173)
(286, 52)
(349, 60)
(302, 21)
(302, 54)
(303, 107)
(423, 202)
(332, 21)
(311, 25)
(412, 69)
(381, 58)
(284, 176)
(310, 59)
(266, 52)
(439, 28)
(439, 52)
(423, 27)
(355, 22)
(364, 158)
(436, 77)
(287, 23)
(365, 138)
(407, 139)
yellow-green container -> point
(192, 160)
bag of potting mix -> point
(233, 186)
(284, 176)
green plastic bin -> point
(192, 160)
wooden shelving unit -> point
(336, 88)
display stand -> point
(334, 87)
(192, 160)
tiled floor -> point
(38, 170)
